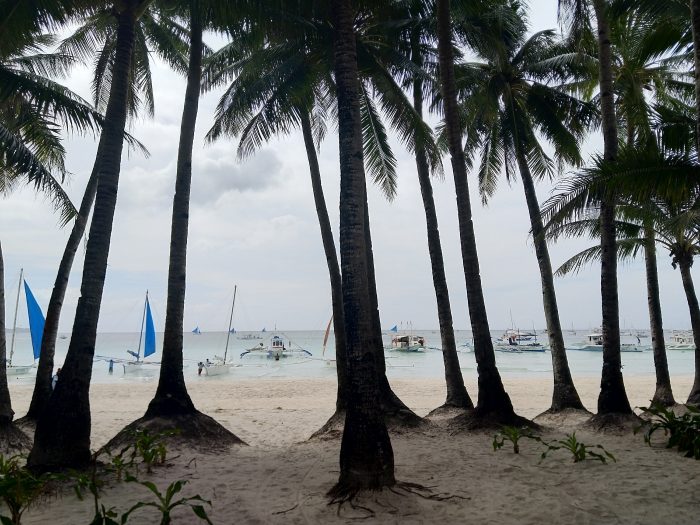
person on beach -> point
(54, 379)
(200, 367)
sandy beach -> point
(281, 477)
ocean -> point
(404, 365)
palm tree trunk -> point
(457, 395)
(664, 393)
(62, 438)
(695, 24)
(689, 287)
(331, 259)
(564, 394)
(171, 398)
(6, 412)
(612, 398)
(493, 399)
(44, 373)
(366, 455)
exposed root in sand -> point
(614, 423)
(197, 431)
(13, 441)
(475, 421)
(399, 422)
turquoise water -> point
(399, 364)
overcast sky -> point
(254, 224)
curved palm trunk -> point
(62, 438)
(44, 373)
(331, 259)
(695, 24)
(564, 394)
(6, 412)
(612, 398)
(366, 455)
(171, 397)
(664, 393)
(493, 398)
(457, 395)
(689, 288)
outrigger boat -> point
(276, 349)
(408, 343)
(594, 343)
(682, 341)
(219, 365)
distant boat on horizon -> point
(197, 331)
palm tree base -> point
(397, 420)
(614, 422)
(448, 411)
(694, 398)
(565, 397)
(481, 420)
(663, 396)
(13, 441)
(564, 418)
(195, 430)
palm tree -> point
(612, 400)
(96, 36)
(493, 402)
(286, 84)
(658, 204)
(508, 102)
(171, 406)
(62, 436)
(366, 455)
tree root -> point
(477, 421)
(13, 441)
(195, 430)
(401, 421)
(614, 423)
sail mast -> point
(230, 321)
(143, 320)
(14, 323)
(325, 337)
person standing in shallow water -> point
(54, 379)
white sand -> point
(280, 471)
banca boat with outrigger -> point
(276, 349)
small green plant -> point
(166, 502)
(151, 447)
(683, 431)
(92, 483)
(514, 435)
(19, 488)
(579, 450)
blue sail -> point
(149, 345)
(36, 320)
(394, 329)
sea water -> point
(423, 365)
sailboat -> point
(149, 342)
(219, 366)
(36, 328)
(197, 331)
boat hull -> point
(15, 370)
(218, 369)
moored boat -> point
(219, 366)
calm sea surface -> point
(399, 364)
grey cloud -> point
(216, 171)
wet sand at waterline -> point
(281, 478)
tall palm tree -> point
(33, 111)
(171, 404)
(96, 36)
(493, 402)
(612, 400)
(658, 204)
(62, 436)
(287, 83)
(366, 455)
(508, 102)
